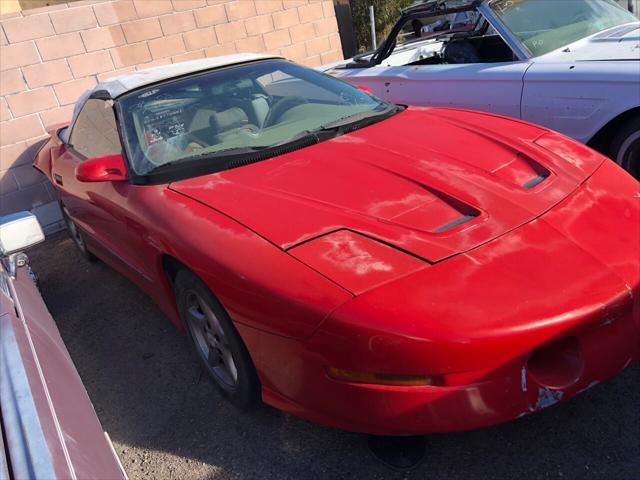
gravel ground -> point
(167, 421)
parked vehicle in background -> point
(570, 65)
(49, 427)
(377, 268)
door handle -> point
(57, 178)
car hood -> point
(621, 43)
(432, 182)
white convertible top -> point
(122, 84)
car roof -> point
(122, 84)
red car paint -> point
(492, 254)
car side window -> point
(95, 133)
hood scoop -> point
(506, 161)
(618, 34)
(441, 214)
(522, 171)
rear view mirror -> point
(102, 169)
(19, 231)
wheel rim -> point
(211, 342)
(75, 234)
(629, 155)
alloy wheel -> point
(211, 341)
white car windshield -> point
(233, 111)
(542, 32)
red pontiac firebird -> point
(374, 267)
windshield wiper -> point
(224, 153)
(362, 117)
(227, 151)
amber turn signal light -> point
(380, 378)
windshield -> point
(240, 109)
(546, 25)
(435, 25)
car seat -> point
(255, 105)
(228, 121)
(460, 51)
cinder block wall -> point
(50, 55)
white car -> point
(570, 65)
(49, 428)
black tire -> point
(625, 148)
(195, 299)
(76, 235)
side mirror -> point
(102, 169)
(18, 232)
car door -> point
(93, 135)
(99, 209)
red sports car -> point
(374, 267)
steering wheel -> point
(280, 107)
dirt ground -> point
(167, 421)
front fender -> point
(259, 284)
(580, 98)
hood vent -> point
(522, 171)
(455, 223)
(616, 34)
(534, 182)
(442, 214)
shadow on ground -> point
(168, 422)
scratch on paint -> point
(523, 379)
(548, 397)
(608, 321)
(591, 385)
(630, 290)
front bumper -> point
(467, 401)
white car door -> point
(490, 87)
